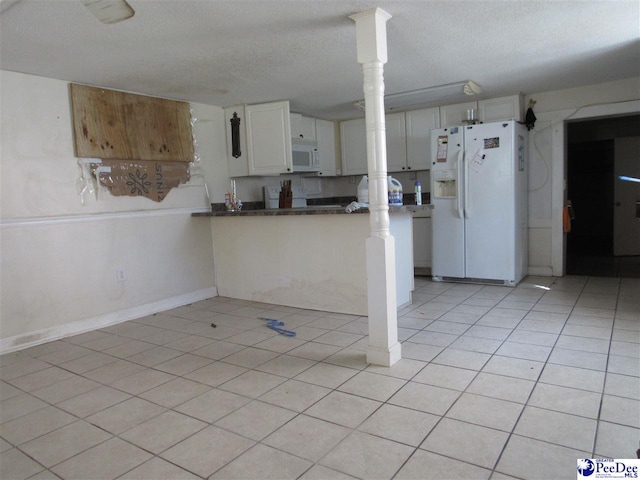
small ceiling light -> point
(471, 88)
(109, 11)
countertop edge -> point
(310, 210)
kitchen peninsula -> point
(311, 257)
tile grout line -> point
(536, 383)
(606, 375)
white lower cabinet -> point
(421, 242)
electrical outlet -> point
(121, 275)
(352, 180)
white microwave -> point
(305, 158)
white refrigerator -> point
(479, 193)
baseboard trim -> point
(31, 339)
(541, 271)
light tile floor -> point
(494, 383)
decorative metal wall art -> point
(235, 136)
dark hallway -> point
(590, 187)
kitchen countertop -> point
(309, 210)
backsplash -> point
(407, 199)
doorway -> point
(593, 167)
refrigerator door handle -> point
(466, 190)
(459, 210)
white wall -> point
(547, 158)
(60, 250)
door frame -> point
(624, 239)
(559, 153)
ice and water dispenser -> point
(444, 184)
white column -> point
(371, 38)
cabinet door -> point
(396, 142)
(422, 242)
(418, 125)
(303, 128)
(326, 147)
(502, 108)
(453, 115)
(238, 166)
(268, 138)
(354, 147)
(428, 238)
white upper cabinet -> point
(396, 142)
(502, 108)
(489, 110)
(353, 143)
(268, 133)
(303, 129)
(263, 143)
(418, 131)
(456, 114)
(326, 136)
(408, 141)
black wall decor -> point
(235, 135)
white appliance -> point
(305, 158)
(272, 197)
(479, 192)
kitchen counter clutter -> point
(310, 257)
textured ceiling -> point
(251, 51)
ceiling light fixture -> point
(109, 11)
(471, 88)
(423, 96)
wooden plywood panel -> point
(117, 125)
